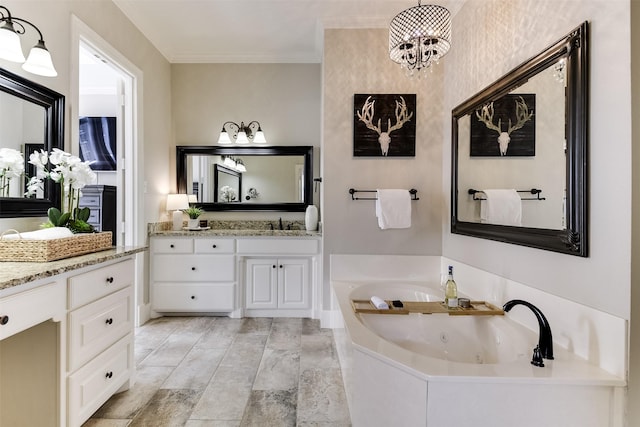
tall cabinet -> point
(101, 200)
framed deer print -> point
(384, 125)
(505, 127)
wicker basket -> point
(25, 250)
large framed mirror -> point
(31, 117)
(525, 137)
(277, 178)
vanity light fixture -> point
(175, 203)
(39, 59)
(233, 163)
(241, 134)
(419, 37)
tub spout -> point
(545, 342)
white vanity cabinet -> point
(277, 283)
(279, 277)
(100, 337)
(193, 274)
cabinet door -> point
(293, 283)
(262, 280)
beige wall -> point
(54, 20)
(284, 98)
(357, 61)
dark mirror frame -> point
(182, 151)
(53, 104)
(574, 239)
(217, 169)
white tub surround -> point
(391, 380)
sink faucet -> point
(545, 342)
(280, 223)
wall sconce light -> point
(39, 59)
(241, 134)
(233, 163)
(419, 37)
(175, 203)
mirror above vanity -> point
(31, 118)
(527, 132)
(277, 178)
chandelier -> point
(419, 37)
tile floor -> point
(216, 371)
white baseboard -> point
(143, 315)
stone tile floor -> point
(216, 371)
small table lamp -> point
(176, 202)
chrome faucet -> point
(545, 341)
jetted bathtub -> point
(438, 370)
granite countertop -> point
(237, 233)
(18, 273)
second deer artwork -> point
(384, 125)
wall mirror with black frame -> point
(277, 178)
(31, 118)
(527, 132)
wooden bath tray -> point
(478, 308)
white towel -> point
(501, 207)
(43, 234)
(379, 303)
(393, 209)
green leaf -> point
(64, 219)
(83, 214)
(54, 215)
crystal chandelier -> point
(419, 37)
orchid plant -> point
(228, 194)
(72, 174)
(11, 166)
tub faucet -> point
(545, 342)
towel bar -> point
(352, 191)
(534, 191)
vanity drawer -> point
(212, 246)
(97, 283)
(97, 326)
(194, 268)
(90, 201)
(200, 297)
(29, 308)
(93, 384)
(171, 246)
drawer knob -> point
(193, 297)
(109, 321)
(4, 320)
(215, 246)
(109, 279)
(171, 246)
(273, 266)
(193, 269)
(280, 265)
(108, 374)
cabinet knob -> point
(171, 246)
(193, 269)
(215, 246)
(4, 320)
(273, 266)
(109, 321)
(109, 279)
(193, 297)
(280, 265)
(109, 374)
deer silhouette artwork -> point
(366, 116)
(523, 115)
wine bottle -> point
(451, 290)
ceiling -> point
(254, 31)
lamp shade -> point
(10, 48)
(177, 202)
(242, 138)
(193, 198)
(39, 61)
(259, 138)
(224, 138)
